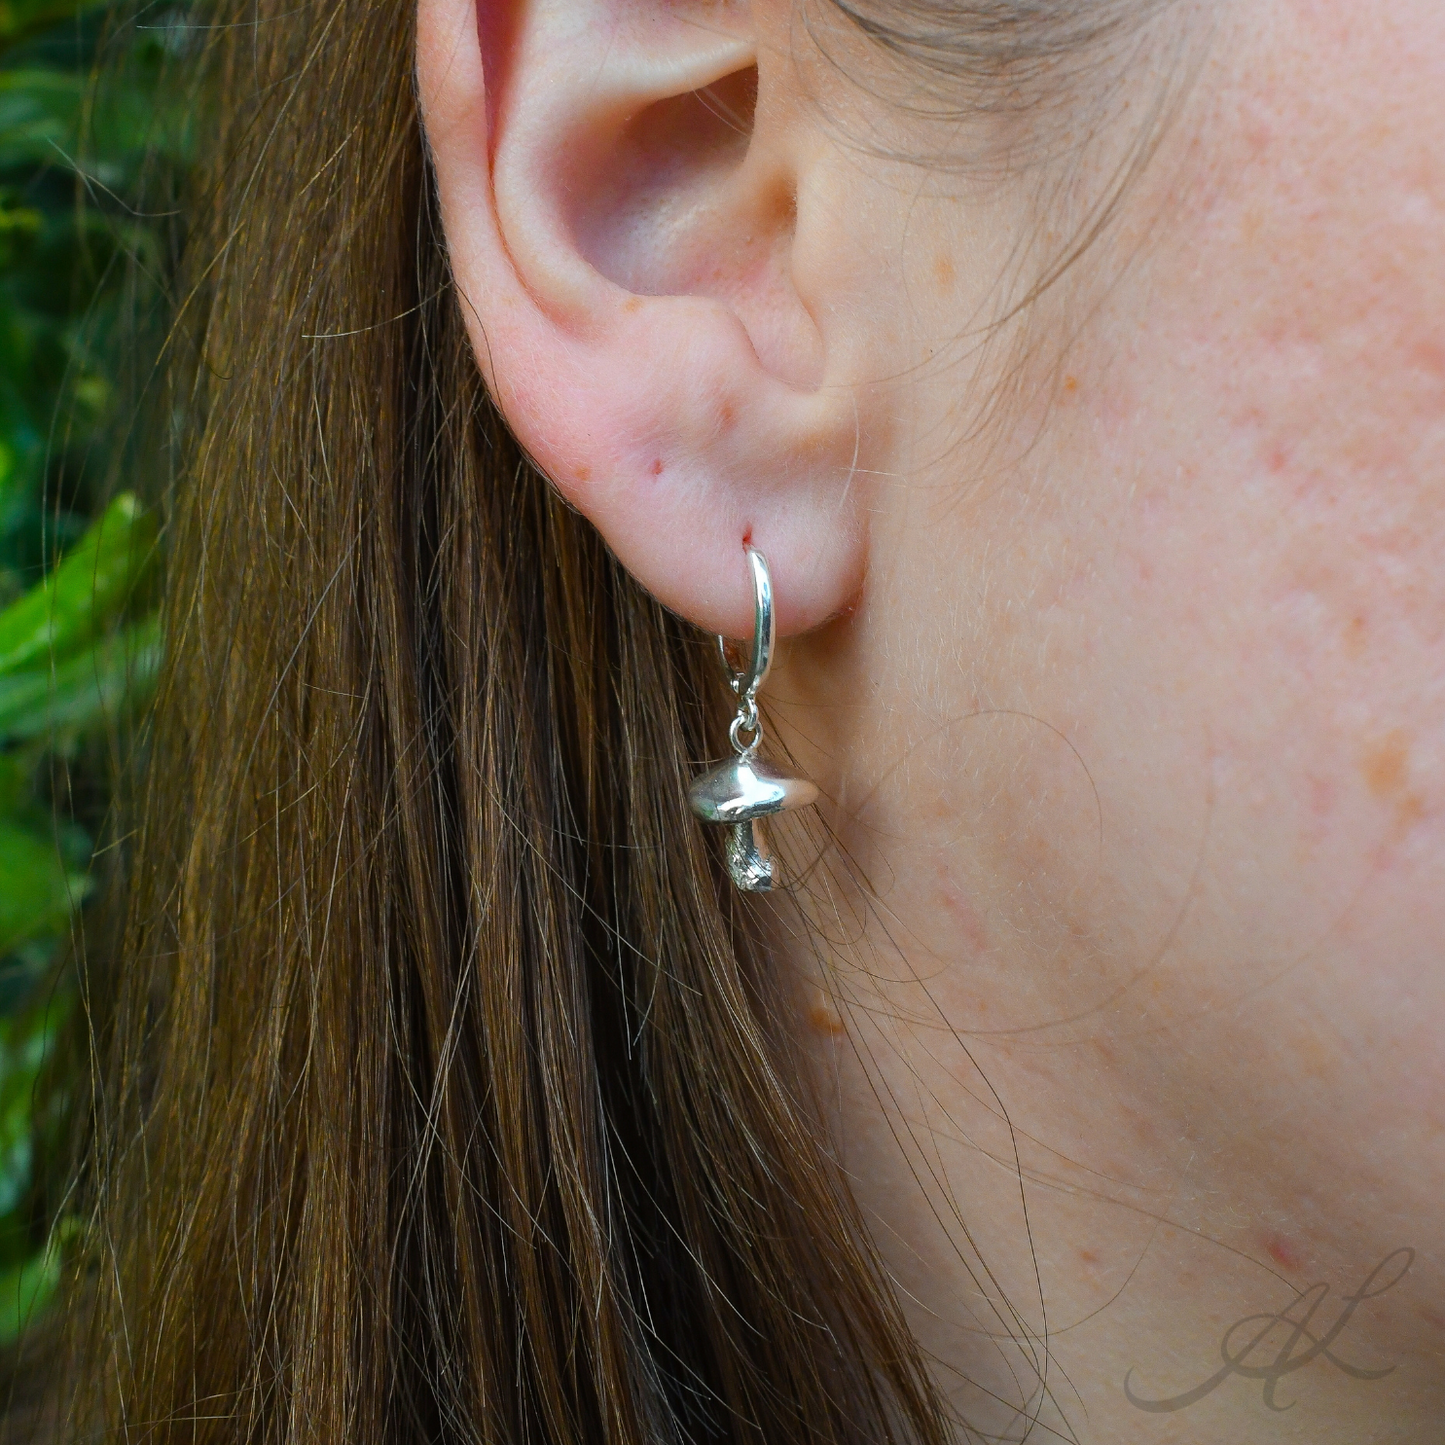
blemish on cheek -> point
(1282, 1252)
(956, 905)
(943, 271)
(1356, 637)
(657, 467)
(632, 304)
(1258, 135)
(1386, 764)
(1314, 1056)
(583, 474)
(825, 1020)
(1071, 385)
(1430, 358)
(1088, 1256)
(727, 415)
(1411, 810)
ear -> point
(627, 188)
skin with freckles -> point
(1124, 968)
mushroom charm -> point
(741, 793)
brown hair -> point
(445, 1093)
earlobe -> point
(619, 188)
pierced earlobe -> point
(625, 201)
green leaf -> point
(19, 18)
(16, 782)
(22, 971)
(37, 892)
(28, 1043)
(25, 1291)
(88, 689)
(22, 18)
(92, 583)
(94, 142)
(39, 117)
(16, 1154)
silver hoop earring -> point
(741, 793)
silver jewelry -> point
(741, 793)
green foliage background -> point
(91, 150)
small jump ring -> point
(747, 682)
(751, 724)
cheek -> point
(1265, 406)
(1280, 388)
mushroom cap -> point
(744, 789)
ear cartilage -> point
(741, 793)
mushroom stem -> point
(750, 860)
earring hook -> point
(746, 682)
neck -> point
(1066, 1160)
